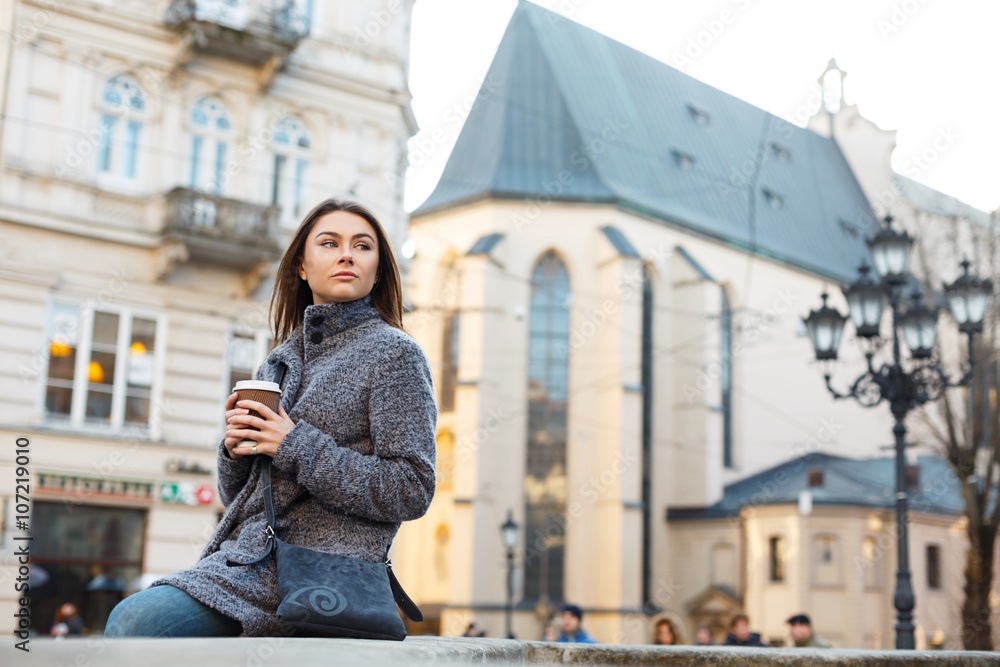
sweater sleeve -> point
(397, 482)
(233, 473)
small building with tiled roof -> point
(817, 535)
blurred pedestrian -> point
(704, 636)
(570, 620)
(802, 633)
(553, 629)
(67, 621)
(739, 633)
(471, 631)
(665, 631)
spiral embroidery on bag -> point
(319, 599)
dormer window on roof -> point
(683, 160)
(699, 115)
(779, 151)
(773, 198)
(849, 229)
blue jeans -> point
(167, 611)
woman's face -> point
(340, 258)
(663, 634)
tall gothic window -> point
(545, 481)
(726, 378)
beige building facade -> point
(155, 157)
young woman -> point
(352, 446)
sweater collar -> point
(332, 318)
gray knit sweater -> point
(359, 461)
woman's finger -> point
(246, 420)
(265, 412)
(242, 434)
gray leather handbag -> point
(324, 594)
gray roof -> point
(484, 244)
(620, 242)
(938, 203)
(566, 113)
(846, 482)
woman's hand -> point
(232, 411)
(273, 428)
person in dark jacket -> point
(352, 444)
(571, 618)
(800, 627)
(739, 633)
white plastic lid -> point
(257, 384)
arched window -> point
(545, 481)
(292, 153)
(210, 135)
(449, 365)
(123, 109)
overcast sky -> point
(917, 66)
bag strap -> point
(402, 599)
(265, 474)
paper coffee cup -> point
(268, 393)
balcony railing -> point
(258, 32)
(221, 231)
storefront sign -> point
(187, 493)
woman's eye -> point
(364, 245)
(325, 243)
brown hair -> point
(291, 292)
(673, 630)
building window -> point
(123, 108)
(779, 151)
(449, 355)
(291, 169)
(773, 198)
(102, 367)
(933, 567)
(683, 160)
(826, 560)
(699, 115)
(210, 133)
(445, 461)
(726, 378)
(776, 559)
(869, 562)
(545, 481)
(247, 350)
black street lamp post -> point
(509, 531)
(903, 389)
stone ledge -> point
(302, 652)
